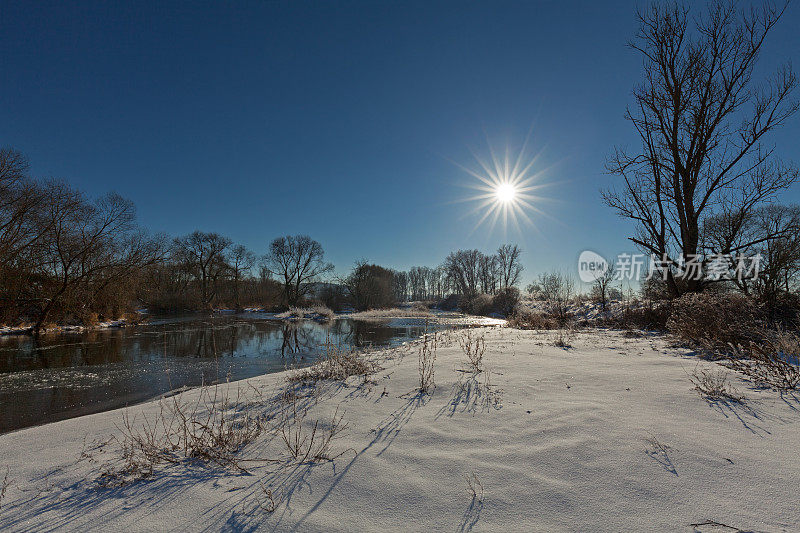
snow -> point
(607, 435)
(26, 330)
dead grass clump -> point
(427, 359)
(774, 363)
(4, 486)
(474, 347)
(318, 312)
(564, 336)
(311, 442)
(474, 487)
(527, 319)
(714, 385)
(211, 430)
(716, 322)
(416, 311)
(337, 364)
(420, 307)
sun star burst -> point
(506, 189)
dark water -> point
(64, 375)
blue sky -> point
(337, 119)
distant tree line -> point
(463, 276)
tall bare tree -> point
(87, 247)
(203, 254)
(701, 120)
(463, 268)
(241, 261)
(508, 258)
(299, 261)
(21, 200)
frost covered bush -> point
(638, 315)
(319, 312)
(717, 322)
(524, 318)
(774, 362)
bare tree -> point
(370, 286)
(488, 272)
(558, 289)
(300, 261)
(241, 261)
(88, 246)
(602, 285)
(21, 200)
(508, 258)
(401, 286)
(771, 232)
(204, 256)
(701, 120)
(463, 268)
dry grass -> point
(270, 504)
(310, 442)
(714, 385)
(319, 312)
(474, 487)
(427, 360)
(4, 486)
(474, 346)
(213, 429)
(717, 322)
(564, 336)
(527, 319)
(774, 363)
(417, 311)
(640, 316)
(337, 364)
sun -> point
(507, 189)
(505, 192)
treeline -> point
(63, 255)
(67, 258)
(467, 279)
(463, 272)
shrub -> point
(420, 307)
(480, 304)
(717, 322)
(505, 301)
(450, 303)
(651, 316)
(333, 297)
(775, 362)
(527, 319)
(427, 360)
(714, 385)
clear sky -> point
(341, 120)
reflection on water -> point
(69, 374)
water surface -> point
(63, 375)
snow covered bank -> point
(605, 435)
(26, 330)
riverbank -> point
(605, 434)
(28, 329)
